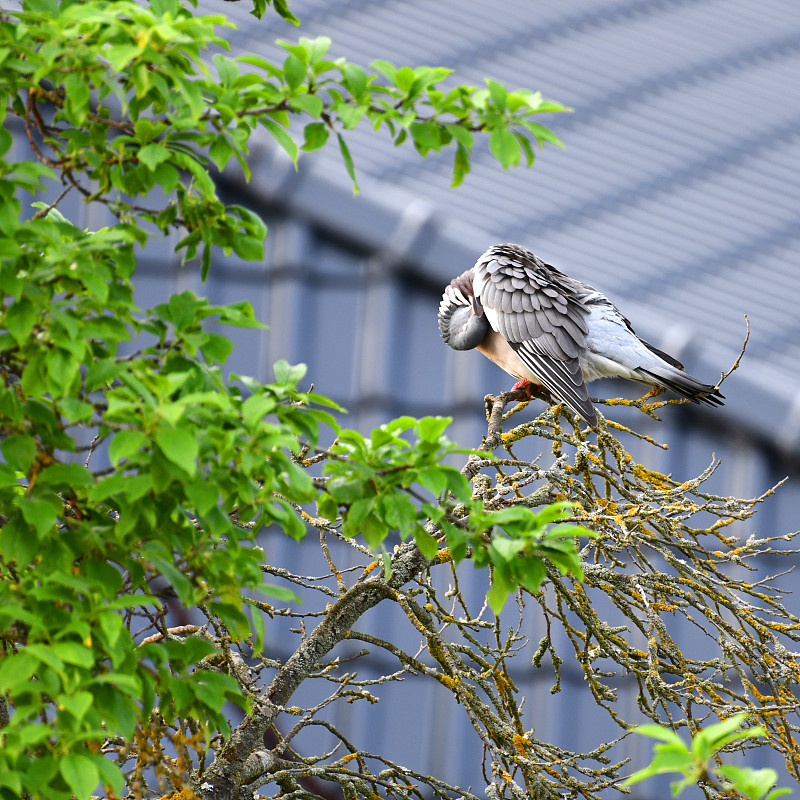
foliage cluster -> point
(120, 100)
(694, 761)
(129, 461)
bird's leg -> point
(526, 390)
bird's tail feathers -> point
(684, 385)
(662, 355)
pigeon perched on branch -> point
(552, 331)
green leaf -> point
(461, 165)
(427, 544)
(358, 512)
(506, 549)
(124, 444)
(504, 147)
(17, 543)
(348, 161)
(80, 774)
(530, 572)
(120, 55)
(350, 115)
(179, 581)
(309, 103)
(400, 424)
(346, 490)
(203, 495)
(289, 521)
(101, 373)
(543, 134)
(660, 732)
(315, 135)
(110, 773)
(668, 758)
(66, 475)
(75, 410)
(76, 704)
(404, 78)
(387, 69)
(217, 347)
(167, 177)
(279, 592)
(426, 135)
(19, 451)
(498, 93)
(16, 670)
(10, 404)
(778, 793)
(227, 68)
(526, 149)
(458, 484)
(502, 586)
(74, 653)
(220, 151)
(433, 479)
(191, 93)
(13, 780)
(62, 369)
(261, 63)
(431, 428)
(20, 319)
(316, 47)
(41, 514)
(282, 138)
(112, 627)
(151, 155)
(374, 531)
(752, 783)
(183, 309)
(256, 407)
(715, 737)
(461, 134)
(355, 79)
(294, 70)
(104, 574)
(327, 507)
(78, 94)
(179, 445)
(514, 514)
(249, 248)
(288, 374)
(283, 10)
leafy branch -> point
(121, 102)
(694, 761)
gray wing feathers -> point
(538, 311)
(562, 378)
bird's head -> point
(462, 323)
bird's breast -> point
(497, 349)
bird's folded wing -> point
(537, 310)
(561, 377)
